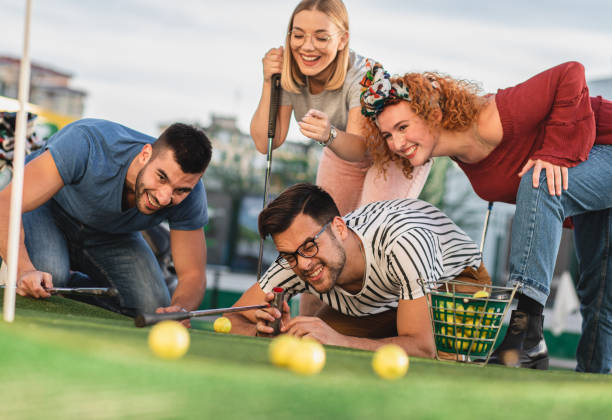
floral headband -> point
(377, 89)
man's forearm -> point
(23, 263)
(189, 292)
(411, 345)
(241, 325)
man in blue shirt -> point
(89, 193)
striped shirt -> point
(404, 241)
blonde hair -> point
(292, 78)
(431, 94)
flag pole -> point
(18, 166)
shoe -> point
(524, 345)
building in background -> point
(49, 88)
(52, 105)
(237, 167)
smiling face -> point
(406, 134)
(161, 183)
(323, 270)
(312, 27)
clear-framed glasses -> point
(319, 40)
(308, 249)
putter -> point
(144, 320)
(279, 297)
(91, 291)
(274, 103)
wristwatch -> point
(332, 136)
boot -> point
(524, 345)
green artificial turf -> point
(64, 359)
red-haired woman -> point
(545, 145)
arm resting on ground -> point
(415, 335)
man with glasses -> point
(366, 269)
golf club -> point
(274, 103)
(485, 227)
(279, 297)
(143, 320)
(93, 291)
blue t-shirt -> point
(92, 157)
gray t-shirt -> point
(335, 103)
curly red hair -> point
(430, 93)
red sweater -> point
(549, 117)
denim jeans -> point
(77, 255)
(536, 234)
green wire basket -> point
(466, 326)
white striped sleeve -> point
(415, 255)
(276, 276)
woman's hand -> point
(315, 125)
(272, 63)
(557, 176)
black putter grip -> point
(274, 103)
(279, 297)
(143, 320)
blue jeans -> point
(536, 234)
(60, 245)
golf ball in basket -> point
(308, 357)
(390, 361)
(222, 325)
(169, 340)
(481, 294)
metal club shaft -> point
(485, 227)
(96, 291)
(143, 320)
(274, 103)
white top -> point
(403, 240)
(335, 103)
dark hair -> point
(191, 147)
(308, 199)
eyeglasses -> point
(319, 40)
(308, 249)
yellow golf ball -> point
(282, 348)
(169, 340)
(390, 361)
(308, 358)
(481, 294)
(222, 325)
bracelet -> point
(333, 133)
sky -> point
(146, 62)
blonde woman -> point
(320, 78)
